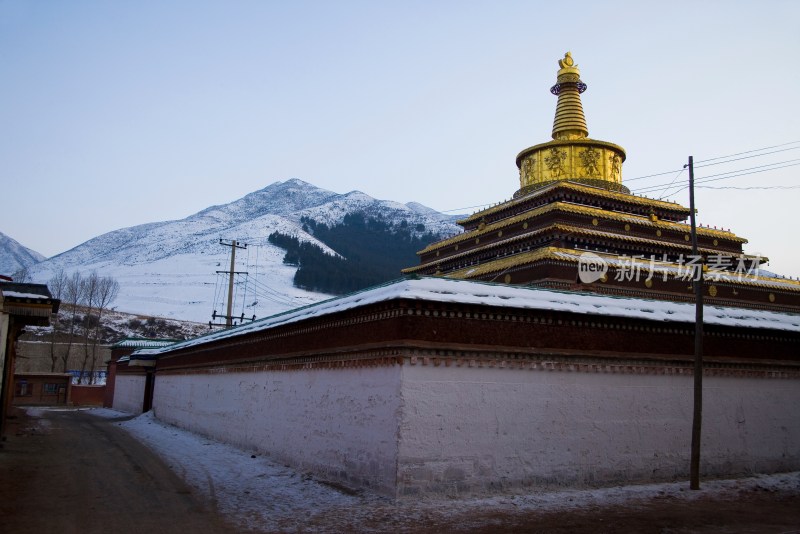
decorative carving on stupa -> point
(571, 155)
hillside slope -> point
(14, 256)
(169, 268)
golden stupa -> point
(571, 155)
(571, 205)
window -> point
(23, 389)
(51, 389)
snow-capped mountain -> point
(170, 268)
(14, 256)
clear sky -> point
(114, 114)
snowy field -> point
(260, 495)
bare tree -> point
(98, 293)
(90, 287)
(57, 285)
(22, 275)
(73, 297)
(106, 293)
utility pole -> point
(694, 469)
(229, 315)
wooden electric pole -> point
(697, 417)
(234, 245)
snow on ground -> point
(185, 286)
(260, 494)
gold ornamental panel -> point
(594, 163)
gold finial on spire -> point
(568, 65)
(569, 122)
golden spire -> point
(569, 122)
(571, 156)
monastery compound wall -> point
(415, 429)
(129, 393)
(340, 424)
(494, 428)
(435, 387)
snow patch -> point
(260, 494)
(19, 295)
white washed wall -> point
(483, 429)
(340, 424)
(129, 393)
(444, 430)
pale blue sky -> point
(114, 114)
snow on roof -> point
(467, 292)
(144, 342)
(20, 295)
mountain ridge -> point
(169, 268)
(15, 256)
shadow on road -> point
(69, 471)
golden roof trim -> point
(504, 263)
(584, 210)
(633, 199)
(629, 238)
(566, 228)
(573, 256)
(570, 142)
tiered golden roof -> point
(671, 269)
(642, 201)
(598, 213)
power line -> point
(748, 151)
(748, 188)
(673, 181)
(268, 293)
(651, 175)
(219, 300)
(243, 291)
(734, 173)
(737, 175)
(725, 158)
(748, 157)
(465, 208)
(790, 163)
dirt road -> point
(71, 472)
(75, 473)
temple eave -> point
(580, 210)
(587, 189)
(575, 232)
(671, 269)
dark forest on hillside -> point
(373, 251)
